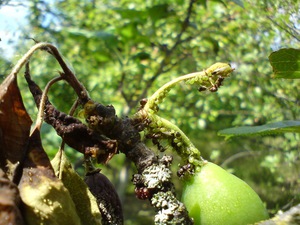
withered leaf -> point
(14, 126)
(46, 200)
(9, 202)
(107, 198)
(85, 202)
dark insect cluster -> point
(155, 140)
(185, 169)
(214, 87)
(141, 125)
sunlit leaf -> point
(132, 14)
(267, 129)
(238, 2)
(129, 31)
(286, 63)
(46, 200)
(85, 202)
(101, 35)
(14, 126)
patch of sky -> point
(12, 21)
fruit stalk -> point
(157, 127)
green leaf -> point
(267, 129)
(203, 2)
(160, 11)
(286, 63)
(102, 35)
(133, 15)
(238, 2)
(141, 56)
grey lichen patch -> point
(154, 176)
(170, 210)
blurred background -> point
(122, 51)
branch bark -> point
(106, 135)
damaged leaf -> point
(14, 126)
(46, 200)
(9, 202)
(107, 198)
(85, 202)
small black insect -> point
(219, 81)
(143, 102)
(202, 88)
(187, 168)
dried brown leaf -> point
(107, 198)
(9, 202)
(14, 126)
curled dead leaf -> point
(85, 202)
(107, 197)
(9, 202)
(14, 127)
(46, 200)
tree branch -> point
(169, 52)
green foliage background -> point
(122, 51)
